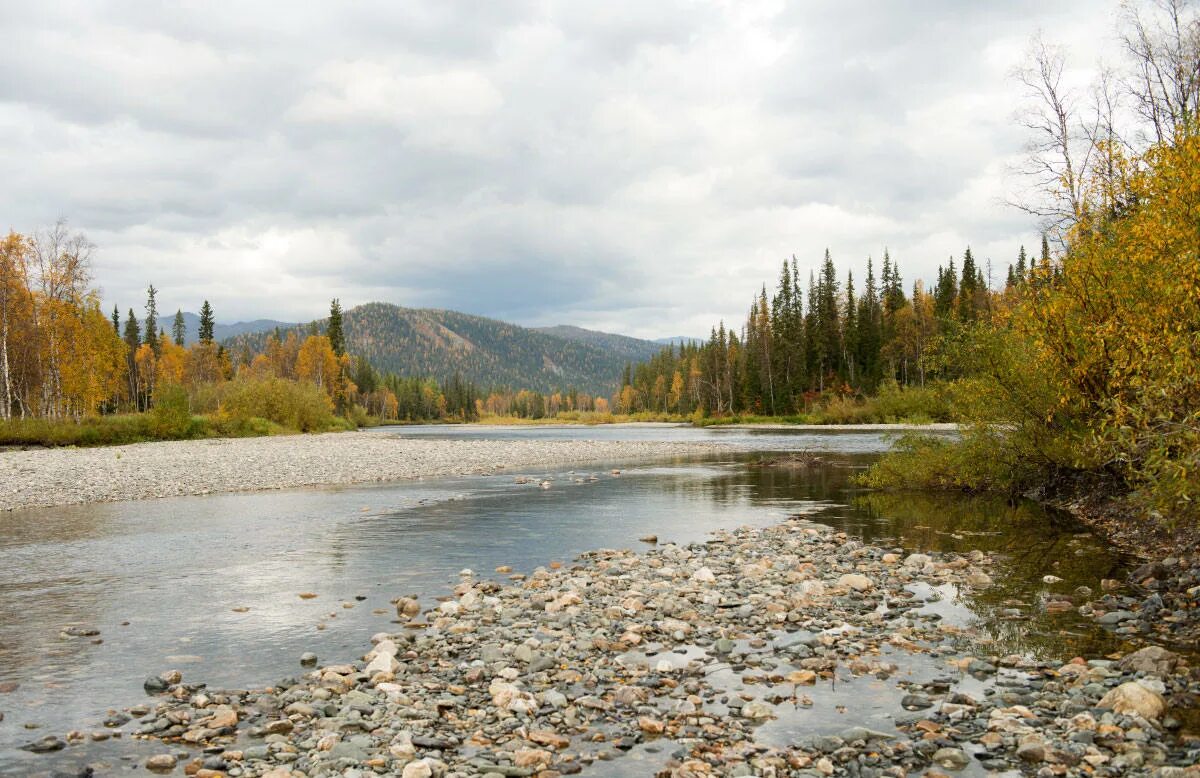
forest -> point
(820, 350)
(71, 375)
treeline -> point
(803, 346)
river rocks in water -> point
(161, 762)
(45, 745)
(308, 659)
(407, 607)
(155, 685)
(1115, 617)
(8, 687)
(756, 709)
(691, 649)
(951, 758)
(1132, 697)
(1152, 660)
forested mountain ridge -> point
(630, 349)
(440, 344)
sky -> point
(633, 167)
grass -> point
(125, 428)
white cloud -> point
(642, 167)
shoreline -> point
(710, 654)
(43, 478)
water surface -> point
(210, 585)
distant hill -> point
(680, 340)
(221, 332)
(491, 353)
(631, 349)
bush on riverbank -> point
(238, 408)
(1093, 371)
(895, 404)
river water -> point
(211, 585)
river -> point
(212, 585)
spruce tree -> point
(870, 335)
(133, 339)
(116, 320)
(133, 332)
(337, 338)
(967, 289)
(946, 294)
(152, 319)
(179, 329)
(206, 323)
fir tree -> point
(967, 288)
(133, 332)
(206, 323)
(179, 329)
(337, 338)
(152, 319)
(946, 294)
(116, 320)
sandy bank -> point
(46, 477)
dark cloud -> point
(637, 166)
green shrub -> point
(357, 417)
(976, 462)
(295, 405)
(171, 416)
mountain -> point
(439, 344)
(630, 349)
(191, 322)
(679, 340)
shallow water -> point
(161, 579)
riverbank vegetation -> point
(1089, 377)
(70, 375)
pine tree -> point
(152, 320)
(946, 294)
(133, 339)
(133, 332)
(206, 323)
(967, 289)
(870, 334)
(179, 329)
(337, 339)
(850, 330)
(116, 320)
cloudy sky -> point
(638, 167)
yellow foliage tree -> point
(317, 363)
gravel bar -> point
(67, 476)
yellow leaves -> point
(316, 362)
(172, 364)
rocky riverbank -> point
(1159, 601)
(791, 650)
(47, 477)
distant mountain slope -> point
(221, 332)
(631, 349)
(679, 340)
(491, 353)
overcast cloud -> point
(637, 167)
